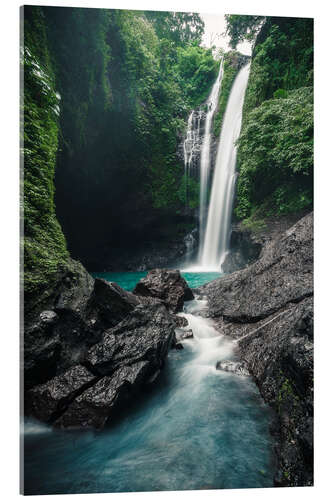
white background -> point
(9, 232)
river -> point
(196, 428)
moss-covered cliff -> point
(44, 243)
(275, 158)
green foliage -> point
(275, 155)
(253, 224)
(240, 28)
(188, 192)
(179, 27)
(44, 243)
(283, 60)
(197, 70)
(280, 94)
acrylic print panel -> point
(168, 315)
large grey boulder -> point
(113, 370)
(283, 274)
(168, 286)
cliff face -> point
(268, 309)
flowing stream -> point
(217, 232)
(197, 428)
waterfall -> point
(191, 145)
(211, 104)
(188, 151)
(217, 233)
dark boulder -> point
(58, 337)
(182, 334)
(283, 274)
(146, 334)
(109, 303)
(166, 285)
(180, 321)
(178, 346)
(112, 371)
(55, 329)
(244, 250)
(47, 400)
(101, 402)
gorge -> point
(131, 129)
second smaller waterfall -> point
(191, 145)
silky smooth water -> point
(216, 240)
(197, 428)
(211, 104)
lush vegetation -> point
(241, 28)
(44, 243)
(276, 155)
(275, 159)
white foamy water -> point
(211, 104)
(217, 231)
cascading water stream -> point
(217, 232)
(211, 104)
(191, 145)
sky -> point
(215, 26)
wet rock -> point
(244, 250)
(146, 334)
(167, 285)
(280, 357)
(232, 366)
(109, 303)
(179, 346)
(46, 400)
(111, 371)
(55, 326)
(75, 288)
(48, 317)
(180, 321)
(57, 339)
(283, 274)
(183, 334)
(101, 402)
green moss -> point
(253, 224)
(44, 242)
(287, 397)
